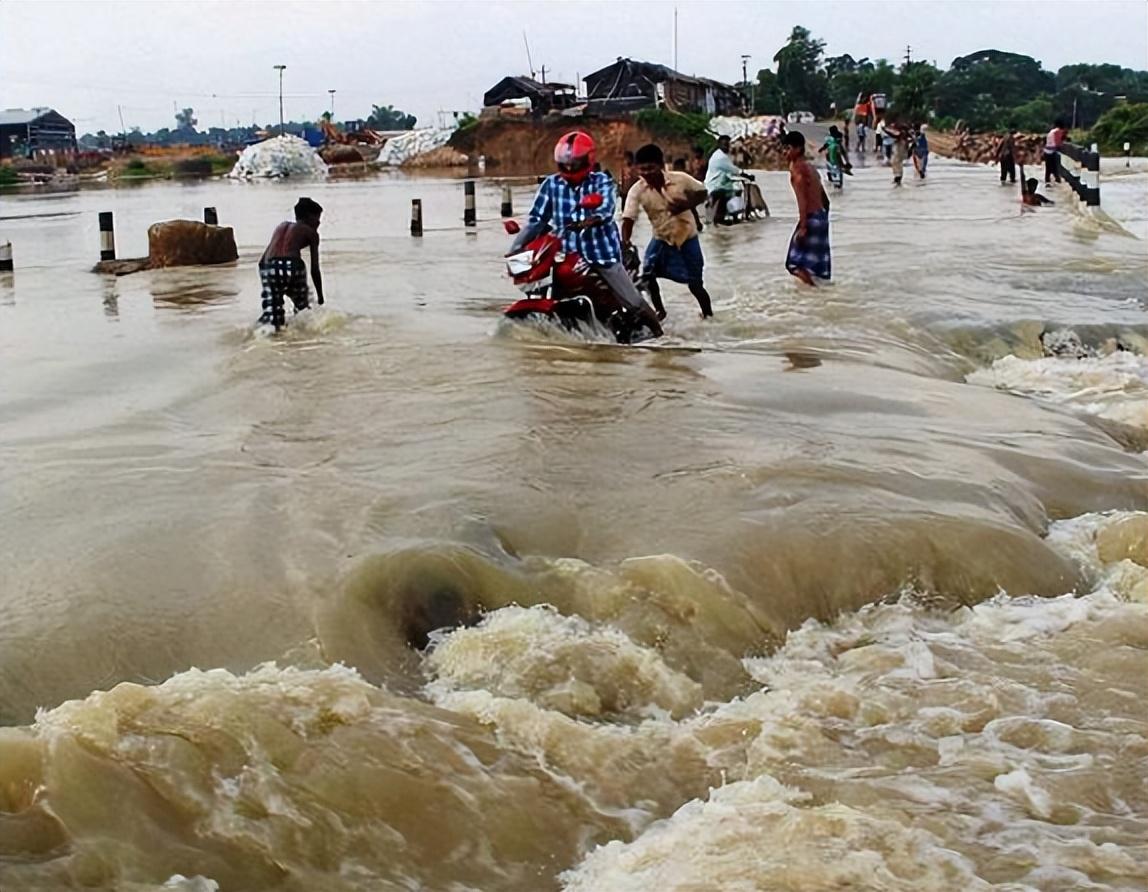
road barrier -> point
(1083, 173)
(107, 236)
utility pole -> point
(908, 55)
(332, 94)
(543, 71)
(280, 69)
(745, 83)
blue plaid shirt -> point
(556, 206)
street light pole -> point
(280, 68)
(745, 81)
(332, 92)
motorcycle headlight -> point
(517, 264)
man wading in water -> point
(809, 247)
(669, 199)
(281, 268)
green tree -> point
(1031, 117)
(390, 118)
(1127, 122)
(185, 120)
(915, 91)
(767, 95)
(981, 88)
(802, 83)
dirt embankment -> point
(524, 148)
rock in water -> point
(190, 243)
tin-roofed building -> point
(24, 132)
(628, 85)
(543, 97)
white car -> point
(800, 117)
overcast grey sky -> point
(85, 58)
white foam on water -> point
(994, 747)
(1113, 386)
(562, 663)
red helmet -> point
(575, 156)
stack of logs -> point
(765, 152)
(981, 148)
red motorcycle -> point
(561, 286)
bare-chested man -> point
(809, 247)
(281, 267)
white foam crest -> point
(760, 834)
(1113, 386)
(991, 744)
(560, 662)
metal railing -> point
(1083, 174)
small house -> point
(26, 132)
(524, 91)
(628, 85)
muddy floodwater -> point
(845, 588)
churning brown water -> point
(850, 591)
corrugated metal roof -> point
(22, 115)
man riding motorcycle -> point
(558, 205)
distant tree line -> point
(988, 90)
(185, 133)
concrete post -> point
(507, 201)
(107, 236)
(1127, 154)
(6, 257)
(468, 215)
(210, 217)
(1091, 177)
(416, 216)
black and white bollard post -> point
(507, 201)
(1091, 177)
(210, 217)
(468, 216)
(416, 216)
(6, 257)
(107, 236)
(1127, 154)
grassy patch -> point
(686, 126)
(8, 176)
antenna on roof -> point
(529, 61)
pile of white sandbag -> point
(739, 128)
(280, 156)
(408, 146)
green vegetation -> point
(1121, 124)
(137, 167)
(688, 127)
(387, 117)
(8, 176)
(988, 89)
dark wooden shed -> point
(23, 132)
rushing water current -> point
(847, 589)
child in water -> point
(1029, 197)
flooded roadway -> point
(638, 530)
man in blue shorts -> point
(809, 255)
(669, 198)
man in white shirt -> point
(720, 182)
(668, 197)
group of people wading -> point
(668, 198)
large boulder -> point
(190, 243)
